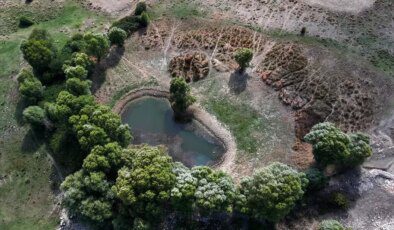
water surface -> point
(151, 121)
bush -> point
(117, 36)
(78, 87)
(30, 87)
(130, 24)
(330, 225)
(25, 22)
(180, 96)
(272, 192)
(140, 8)
(39, 50)
(34, 115)
(332, 146)
(243, 58)
(144, 20)
(339, 200)
(317, 179)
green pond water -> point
(151, 121)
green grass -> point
(26, 196)
(384, 61)
(25, 193)
(119, 94)
(242, 120)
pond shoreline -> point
(202, 117)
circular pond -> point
(151, 121)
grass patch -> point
(25, 193)
(119, 94)
(242, 120)
(384, 61)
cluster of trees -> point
(331, 146)
(132, 187)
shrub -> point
(180, 97)
(117, 36)
(144, 20)
(78, 87)
(76, 72)
(332, 146)
(145, 187)
(96, 45)
(317, 179)
(339, 200)
(34, 115)
(29, 86)
(130, 24)
(25, 22)
(243, 58)
(272, 192)
(330, 225)
(140, 8)
(39, 50)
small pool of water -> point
(151, 121)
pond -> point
(151, 121)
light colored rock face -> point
(351, 6)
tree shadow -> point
(238, 81)
(33, 140)
(100, 70)
(18, 113)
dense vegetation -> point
(134, 187)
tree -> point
(146, 186)
(35, 116)
(180, 97)
(78, 87)
(317, 179)
(243, 58)
(29, 86)
(107, 158)
(332, 146)
(37, 54)
(97, 125)
(215, 191)
(272, 192)
(144, 20)
(140, 8)
(117, 36)
(330, 225)
(88, 194)
(76, 72)
(67, 105)
(39, 50)
(96, 45)
(79, 59)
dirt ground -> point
(352, 6)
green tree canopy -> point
(38, 50)
(332, 146)
(272, 192)
(78, 87)
(243, 58)
(29, 86)
(96, 45)
(140, 8)
(76, 72)
(330, 225)
(146, 186)
(117, 36)
(34, 115)
(180, 96)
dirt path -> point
(209, 122)
(351, 6)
